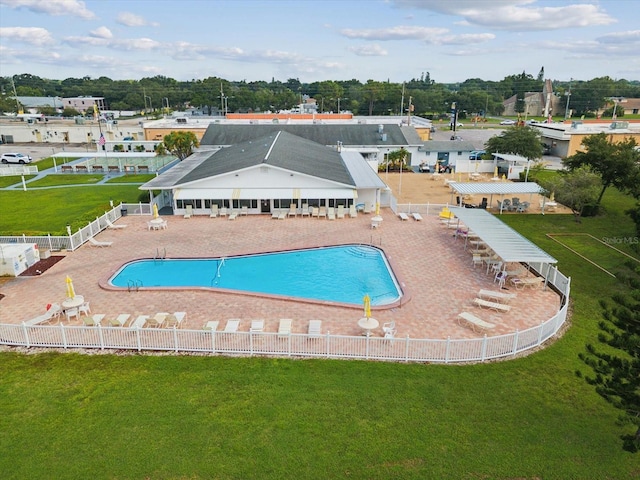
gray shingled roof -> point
(447, 146)
(219, 134)
(279, 149)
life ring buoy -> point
(48, 306)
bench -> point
(417, 217)
(403, 216)
(498, 307)
(66, 168)
(474, 322)
(497, 296)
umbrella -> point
(155, 211)
(495, 172)
(367, 305)
(71, 293)
(552, 197)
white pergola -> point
(508, 244)
(495, 188)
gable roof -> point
(361, 134)
(278, 149)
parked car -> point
(15, 158)
(457, 125)
(476, 154)
(508, 122)
(424, 167)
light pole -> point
(145, 104)
(343, 98)
(568, 94)
(167, 105)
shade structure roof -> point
(495, 188)
(508, 244)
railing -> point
(293, 345)
(74, 240)
(18, 170)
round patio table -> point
(368, 324)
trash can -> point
(123, 211)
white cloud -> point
(74, 8)
(369, 51)
(632, 36)
(516, 15)
(101, 32)
(129, 44)
(129, 19)
(30, 35)
(401, 32)
(466, 38)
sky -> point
(316, 40)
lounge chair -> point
(367, 208)
(233, 215)
(232, 325)
(244, 210)
(314, 328)
(403, 216)
(112, 226)
(474, 322)
(170, 321)
(52, 313)
(275, 214)
(211, 325)
(322, 212)
(180, 316)
(257, 326)
(223, 212)
(139, 322)
(305, 209)
(498, 307)
(315, 212)
(96, 243)
(93, 321)
(282, 215)
(496, 296)
(353, 213)
(284, 329)
(214, 211)
(331, 213)
(293, 210)
(188, 211)
(416, 216)
(123, 318)
(340, 213)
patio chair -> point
(315, 327)
(96, 243)
(322, 212)
(275, 214)
(223, 211)
(85, 308)
(353, 212)
(244, 210)
(367, 208)
(315, 212)
(257, 326)
(331, 213)
(305, 210)
(284, 329)
(523, 207)
(214, 211)
(72, 312)
(389, 327)
(188, 211)
(293, 210)
(340, 213)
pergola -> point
(495, 188)
(508, 244)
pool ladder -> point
(214, 280)
(160, 256)
(134, 285)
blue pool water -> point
(341, 274)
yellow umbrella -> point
(552, 197)
(71, 293)
(495, 172)
(155, 211)
(367, 305)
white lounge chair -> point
(233, 215)
(322, 212)
(232, 325)
(113, 226)
(93, 321)
(122, 319)
(51, 314)
(257, 326)
(315, 327)
(284, 329)
(497, 296)
(170, 321)
(498, 307)
(353, 213)
(96, 243)
(305, 210)
(403, 216)
(293, 210)
(331, 213)
(417, 217)
(214, 211)
(244, 210)
(211, 325)
(223, 212)
(474, 322)
(315, 211)
(188, 211)
(139, 322)
(340, 213)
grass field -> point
(198, 417)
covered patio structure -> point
(495, 188)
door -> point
(265, 206)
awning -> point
(495, 188)
(508, 244)
(262, 193)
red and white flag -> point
(101, 141)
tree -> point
(617, 370)
(576, 189)
(524, 141)
(181, 143)
(616, 163)
(396, 160)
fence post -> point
(515, 341)
(446, 350)
(213, 341)
(366, 349)
(406, 349)
(26, 335)
(175, 338)
(63, 334)
(100, 336)
(483, 355)
(289, 344)
(540, 328)
(328, 333)
(138, 339)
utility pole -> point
(568, 94)
(409, 110)
(402, 100)
(221, 98)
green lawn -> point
(201, 417)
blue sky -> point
(315, 40)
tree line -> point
(424, 96)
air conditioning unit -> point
(181, 120)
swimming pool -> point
(341, 274)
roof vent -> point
(380, 128)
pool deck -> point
(432, 267)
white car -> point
(508, 122)
(457, 124)
(15, 158)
